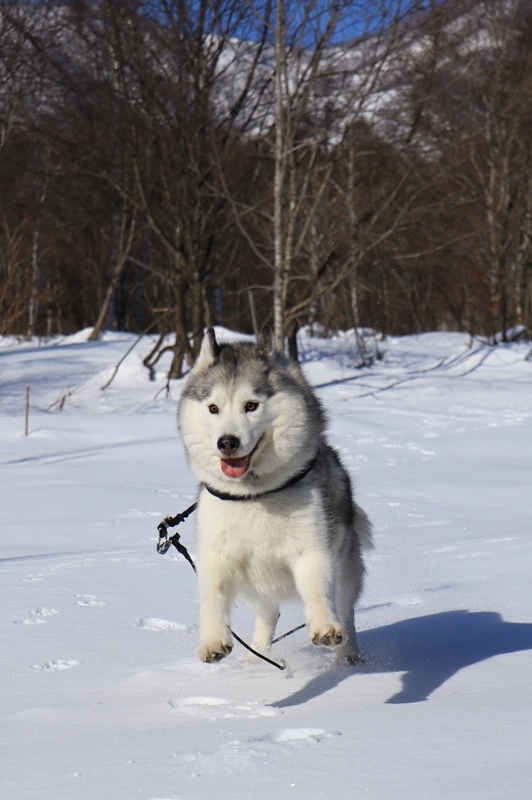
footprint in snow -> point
(36, 576)
(87, 600)
(56, 664)
(220, 708)
(238, 754)
(37, 616)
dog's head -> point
(247, 415)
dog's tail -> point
(363, 528)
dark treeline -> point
(167, 165)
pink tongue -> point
(234, 467)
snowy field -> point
(102, 695)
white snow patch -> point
(156, 624)
(298, 734)
(58, 664)
(202, 701)
(437, 436)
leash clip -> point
(163, 545)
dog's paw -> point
(327, 636)
(251, 658)
(215, 651)
(351, 659)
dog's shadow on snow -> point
(428, 650)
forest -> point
(166, 165)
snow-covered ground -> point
(102, 695)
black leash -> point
(164, 544)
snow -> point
(101, 691)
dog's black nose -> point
(228, 445)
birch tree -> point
(328, 62)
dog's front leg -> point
(313, 578)
(216, 598)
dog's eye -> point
(213, 409)
(251, 406)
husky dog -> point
(275, 511)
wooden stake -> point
(27, 425)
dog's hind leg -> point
(347, 595)
(348, 650)
(265, 622)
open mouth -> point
(237, 467)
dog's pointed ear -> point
(209, 351)
(265, 341)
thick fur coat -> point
(254, 430)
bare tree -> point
(349, 164)
(322, 86)
(171, 72)
(501, 158)
(20, 88)
(473, 123)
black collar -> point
(290, 482)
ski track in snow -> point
(103, 693)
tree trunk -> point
(293, 351)
(278, 181)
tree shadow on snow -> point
(429, 650)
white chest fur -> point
(257, 543)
